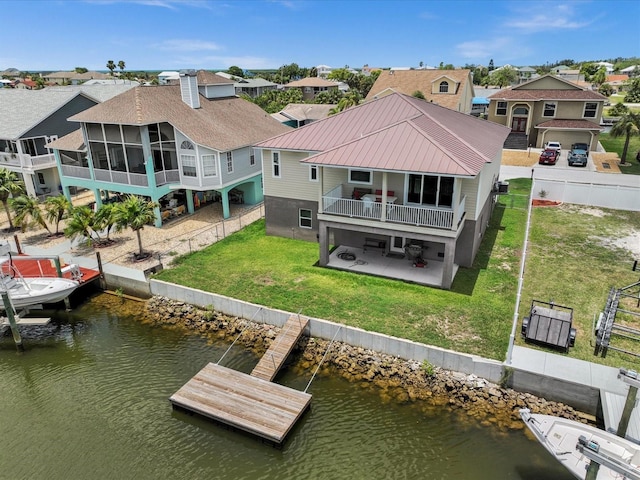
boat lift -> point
(606, 326)
(591, 450)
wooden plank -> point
(248, 403)
(26, 321)
(271, 362)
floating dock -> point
(251, 403)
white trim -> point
(310, 218)
(359, 182)
(276, 165)
(544, 107)
(313, 168)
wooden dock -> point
(252, 403)
(271, 362)
(242, 401)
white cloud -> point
(533, 17)
(481, 49)
(185, 45)
(170, 4)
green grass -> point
(475, 316)
(612, 144)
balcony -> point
(27, 162)
(333, 203)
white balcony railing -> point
(334, 204)
(75, 171)
(26, 161)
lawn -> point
(475, 316)
(612, 144)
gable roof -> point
(519, 92)
(30, 107)
(222, 123)
(303, 111)
(398, 133)
(73, 142)
(409, 81)
(209, 78)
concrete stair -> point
(516, 141)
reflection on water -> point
(89, 399)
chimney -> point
(189, 88)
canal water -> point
(88, 399)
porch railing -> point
(75, 171)
(334, 204)
(27, 161)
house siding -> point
(283, 215)
(294, 181)
(56, 123)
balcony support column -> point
(447, 266)
(383, 216)
(323, 243)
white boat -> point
(25, 292)
(575, 445)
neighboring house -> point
(549, 108)
(30, 119)
(59, 78)
(26, 84)
(608, 66)
(311, 86)
(450, 88)
(11, 73)
(570, 75)
(179, 145)
(298, 114)
(74, 78)
(323, 70)
(617, 82)
(525, 74)
(632, 71)
(390, 174)
(164, 78)
(253, 87)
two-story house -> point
(385, 182)
(179, 145)
(549, 108)
(30, 119)
(312, 86)
(449, 88)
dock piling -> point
(8, 308)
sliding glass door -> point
(430, 190)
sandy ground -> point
(178, 236)
(524, 158)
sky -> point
(51, 35)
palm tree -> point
(55, 209)
(105, 219)
(28, 213)
(111, 66)
(135, 212)
(121, 66)
(351, 99)
(80, 222)
(628, 125)
(10, 185)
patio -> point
(373, 262)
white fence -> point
(593, 194)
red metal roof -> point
(398, 133)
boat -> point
(31, 291)
(576, 445)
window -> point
(501, 108)
(41, 179)
(186, 145)
(275, 162)
(549, 110)
(229, 162)
(188, 165)
(209, 165)
(590, 109)
(305, 218)
(444, 87)
(313, 173)
(360, 176)
(252, 159)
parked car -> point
(553, 146)
(578, 157)
(580, 146)
(549, 157)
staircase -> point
(516, 141)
